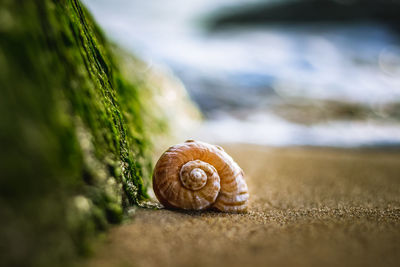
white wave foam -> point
(267, 129)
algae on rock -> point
(75, 144)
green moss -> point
(74, 132)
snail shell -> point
(197, 176)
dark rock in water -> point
(310, 11)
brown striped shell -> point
(197, 176)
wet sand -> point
(308, 207)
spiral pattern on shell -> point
(197, 176)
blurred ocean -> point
(324, 85)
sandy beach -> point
(308, 207)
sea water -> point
(241, 76)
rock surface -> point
(78, 120)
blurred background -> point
(309, 72)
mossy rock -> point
(75, 132)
